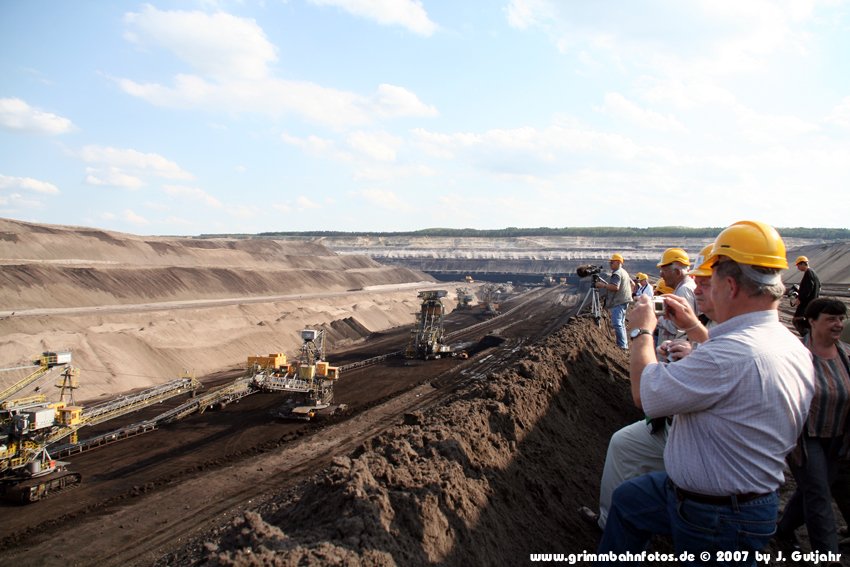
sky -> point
(200, 117)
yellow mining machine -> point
(490, 296)
(310, 378)
(30, 425)
(464, 298)
(426, 338)
(46, 362)
(27, 472)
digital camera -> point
(658, 305)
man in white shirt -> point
(739, 401)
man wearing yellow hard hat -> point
(643, 287)
(740, 401)
(809, 290)
(661, 287)
(674, 266)
(639, 447)
(619, 288)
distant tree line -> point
(593, 231)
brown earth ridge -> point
(139, 311)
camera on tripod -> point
(587, 270)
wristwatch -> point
(635, 333)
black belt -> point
(730, 500)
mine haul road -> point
(148, 495)
(201, 303)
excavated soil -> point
(137, 311)
(487, 478)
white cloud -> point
(841, 113)
(28, 184)
(393, 172)
(304, 203)
(531, 146)
(687, 93)
(193, 194)
(157, 206)
(112, 177)
(219, 45)
(761, 128)
(276, 97)
(383, 199)
(118, 161)
(684, 39)
(245, 211)
(618, 105)
(394, 101)
(406, 13)
(15, 203)
(317, 145)
(133, 218)
(380, 146)
(523, 14)
(232, 59)
(15, 114)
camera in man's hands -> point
(587, 270)
(658, 305)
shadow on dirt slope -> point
(488, 478)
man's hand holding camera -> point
(642, 315)
(677, 310)
(674, 350)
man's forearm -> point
(642, 355)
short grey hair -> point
(752, 288)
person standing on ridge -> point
(619, 289)
(809, 290)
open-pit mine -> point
(324, 401)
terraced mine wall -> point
(528, 259)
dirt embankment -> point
(53, 266)
(277, 288)
(487, 479)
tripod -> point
(592, 297)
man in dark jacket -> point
(809, 290)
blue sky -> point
(252, 116)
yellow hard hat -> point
(641, 276)
(753, 243)
(674, 255)
(661, 287)
(617, 257)
(801, 259)
(703, 266)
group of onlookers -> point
(732, 398)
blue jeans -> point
(618, 321)
(648, 505)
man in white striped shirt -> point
(739, 401)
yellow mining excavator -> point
(27, 472)
(426, 337)
(310, 378)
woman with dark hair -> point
(815, 461)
